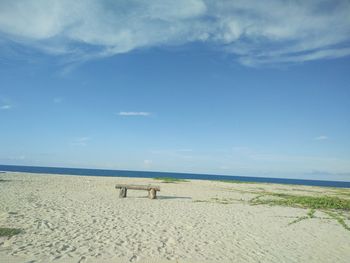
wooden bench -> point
(152, 189)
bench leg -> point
(152, 194)
(122, 193)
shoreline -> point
(72, 218)
(153, 174)
(185, 179)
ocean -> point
(147, 174)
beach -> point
(81, 219)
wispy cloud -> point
(5, 107)
(5, 102)
(147, 163)
(81, 141)
(321, 138)
(134, 113)
(256, 32)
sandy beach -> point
(81, 219)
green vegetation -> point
(339, 218)
(223, 201)
(236, 182)
(9, 232)
(170, 180)
(336, 207)
(310, 214)
(312, 202)
(332, 206)
(298, 220)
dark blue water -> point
(143, 174)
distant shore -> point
(81, 219)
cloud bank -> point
(254, 32)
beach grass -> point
(298, 220)
(339, 218)
(311, 202)
(170, 180)
(310, 214)
(236, 182)
(9, 232)
(330, 205)
(335, 207)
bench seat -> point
(152, 189)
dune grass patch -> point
(330, 205)
(170, 180)
(311, 202)
(339, 217)
(9, 232)
(310, 214)
(335, 207)
(236, 182)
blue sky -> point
(213, 87)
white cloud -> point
(257, 32)
(6, 107)
(134, 113)
(147, 163)
(81, 141)
(6, 103)
(321, 138)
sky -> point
(251, 88)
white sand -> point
(81, 219)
